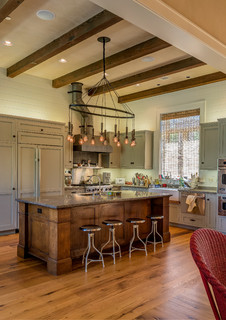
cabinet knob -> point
(14, 136)
(41, 129)
(192, 219)
(14, 188)
(202, 162)
(70, 161)
(208, 199)
(131, 162)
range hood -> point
(98, 147)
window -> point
(180, 143)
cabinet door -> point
(209, 146)
(126, 154)
(115, 155)
(7, 130)
(8, 219)
(27, 170)
(50, 170)
(222, 138)
(174, 213)
(211, 210)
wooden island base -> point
(53, 235)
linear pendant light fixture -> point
(100, 107)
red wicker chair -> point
(208, 248)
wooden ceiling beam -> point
(137, 51)
(151, 74)
(80, 33)
(9, 7)
(177, 86)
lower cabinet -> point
(174, 213)
(221, 224)
(211, 210)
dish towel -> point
(190, 200)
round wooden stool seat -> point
(90, 228)
(155, 217)
(112, 222)
(135, 220)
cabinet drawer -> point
(221, 224)
(197, 221)
(40, 127)
(39, 139)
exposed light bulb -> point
(71, 139)
(85, 138)
(115, 139)
(126, 141)
(105, 142)
(101, 138)
(81, 141)
(92, 141)
(68, 137)
(118, 144)
(133, 143)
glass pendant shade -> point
(85, 138)
(81, 141)
(93, 137)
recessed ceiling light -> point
(62, 60)
(165, 78)
(147, 59)
(45, 15)
(7, 43)
(8, 18)
(137, 84)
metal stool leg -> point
(154, 231)
(90, 235)
(87, 251)
(138, 236)
(100, 254)
(112, 238)
(159, 235)
(136, 233)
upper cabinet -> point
(209, 145)
(140, 156)
(222, 138)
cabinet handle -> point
(39, 210)
(208, 199)
(111, 162)
(41, 129)
(14, 188)
(70, 161)
(202, 162)
(131, 162)
(14, 136)
(192, 219)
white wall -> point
(34, 97)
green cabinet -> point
(209, 145)
(140, 156)
(222, 138)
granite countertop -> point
(78, 200)
(197, 190)
(200, 190)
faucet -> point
(91, 178)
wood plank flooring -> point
(162, 286)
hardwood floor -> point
(164, 285)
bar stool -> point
(136, 222)
(91, 228)
(112, 224)
(154, 230)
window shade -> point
(180, 143)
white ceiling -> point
(28, 34)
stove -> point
(96, 187)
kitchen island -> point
(49, 227)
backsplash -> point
(207, 177)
